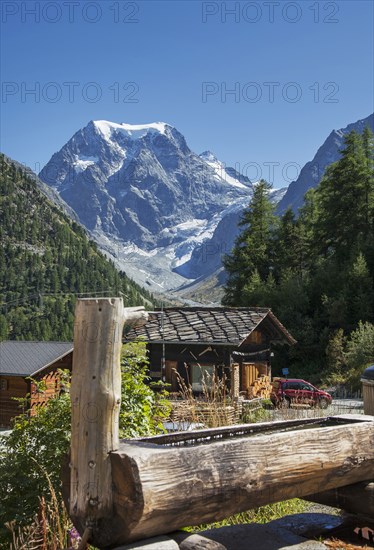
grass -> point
(264, 514)
(50, 529)
(213, 408)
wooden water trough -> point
(122, 491)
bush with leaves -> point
(359, 351)
(349, 356)
(32, 454)
(142, 409)
(36, 445)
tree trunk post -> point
(96, 401)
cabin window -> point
(201, 376)
(3, 384)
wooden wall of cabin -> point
(255, 350)
(180, 357)
(50, 378)
(11, 386)
(18, 386)
(254, 358)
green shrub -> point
(32, 454)
(349, 356)
(360, 348)
(142, 409)
(36, 445)
(259, 412)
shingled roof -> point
(28, 358)
(200, 325)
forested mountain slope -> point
(46, 261)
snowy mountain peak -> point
(135, 183)
(229, 175)
(162, 212)
(135, 131)
(208, 156)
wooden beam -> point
(158, 488)
(235, 380)
(163, 483)
(356, 499)
(96, 399)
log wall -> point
(18, 387)
(11, 386)
(51, 379)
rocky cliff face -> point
(138, 183)
(147, 198)
(164, 214)
(312, 172)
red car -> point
(287, 391)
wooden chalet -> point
(199, 341)
(21, 360)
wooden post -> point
(356, 499)
(235, 383)
(367, 380)
(368, 396)
(96, 399)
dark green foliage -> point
(346, 201)
(142, 409)
(46, 260)
(348, 356)
(253, 248)
(31, 456)
(317, 270)
(32, 452)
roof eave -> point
(253, 329)
(287, 336)
(184, 342)
(27, 375)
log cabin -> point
(193, 343)
(20, 364)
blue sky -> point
(296, 70)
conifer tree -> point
(344, 199)
(254, 248)
(316, 271)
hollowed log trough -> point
(123, 491)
